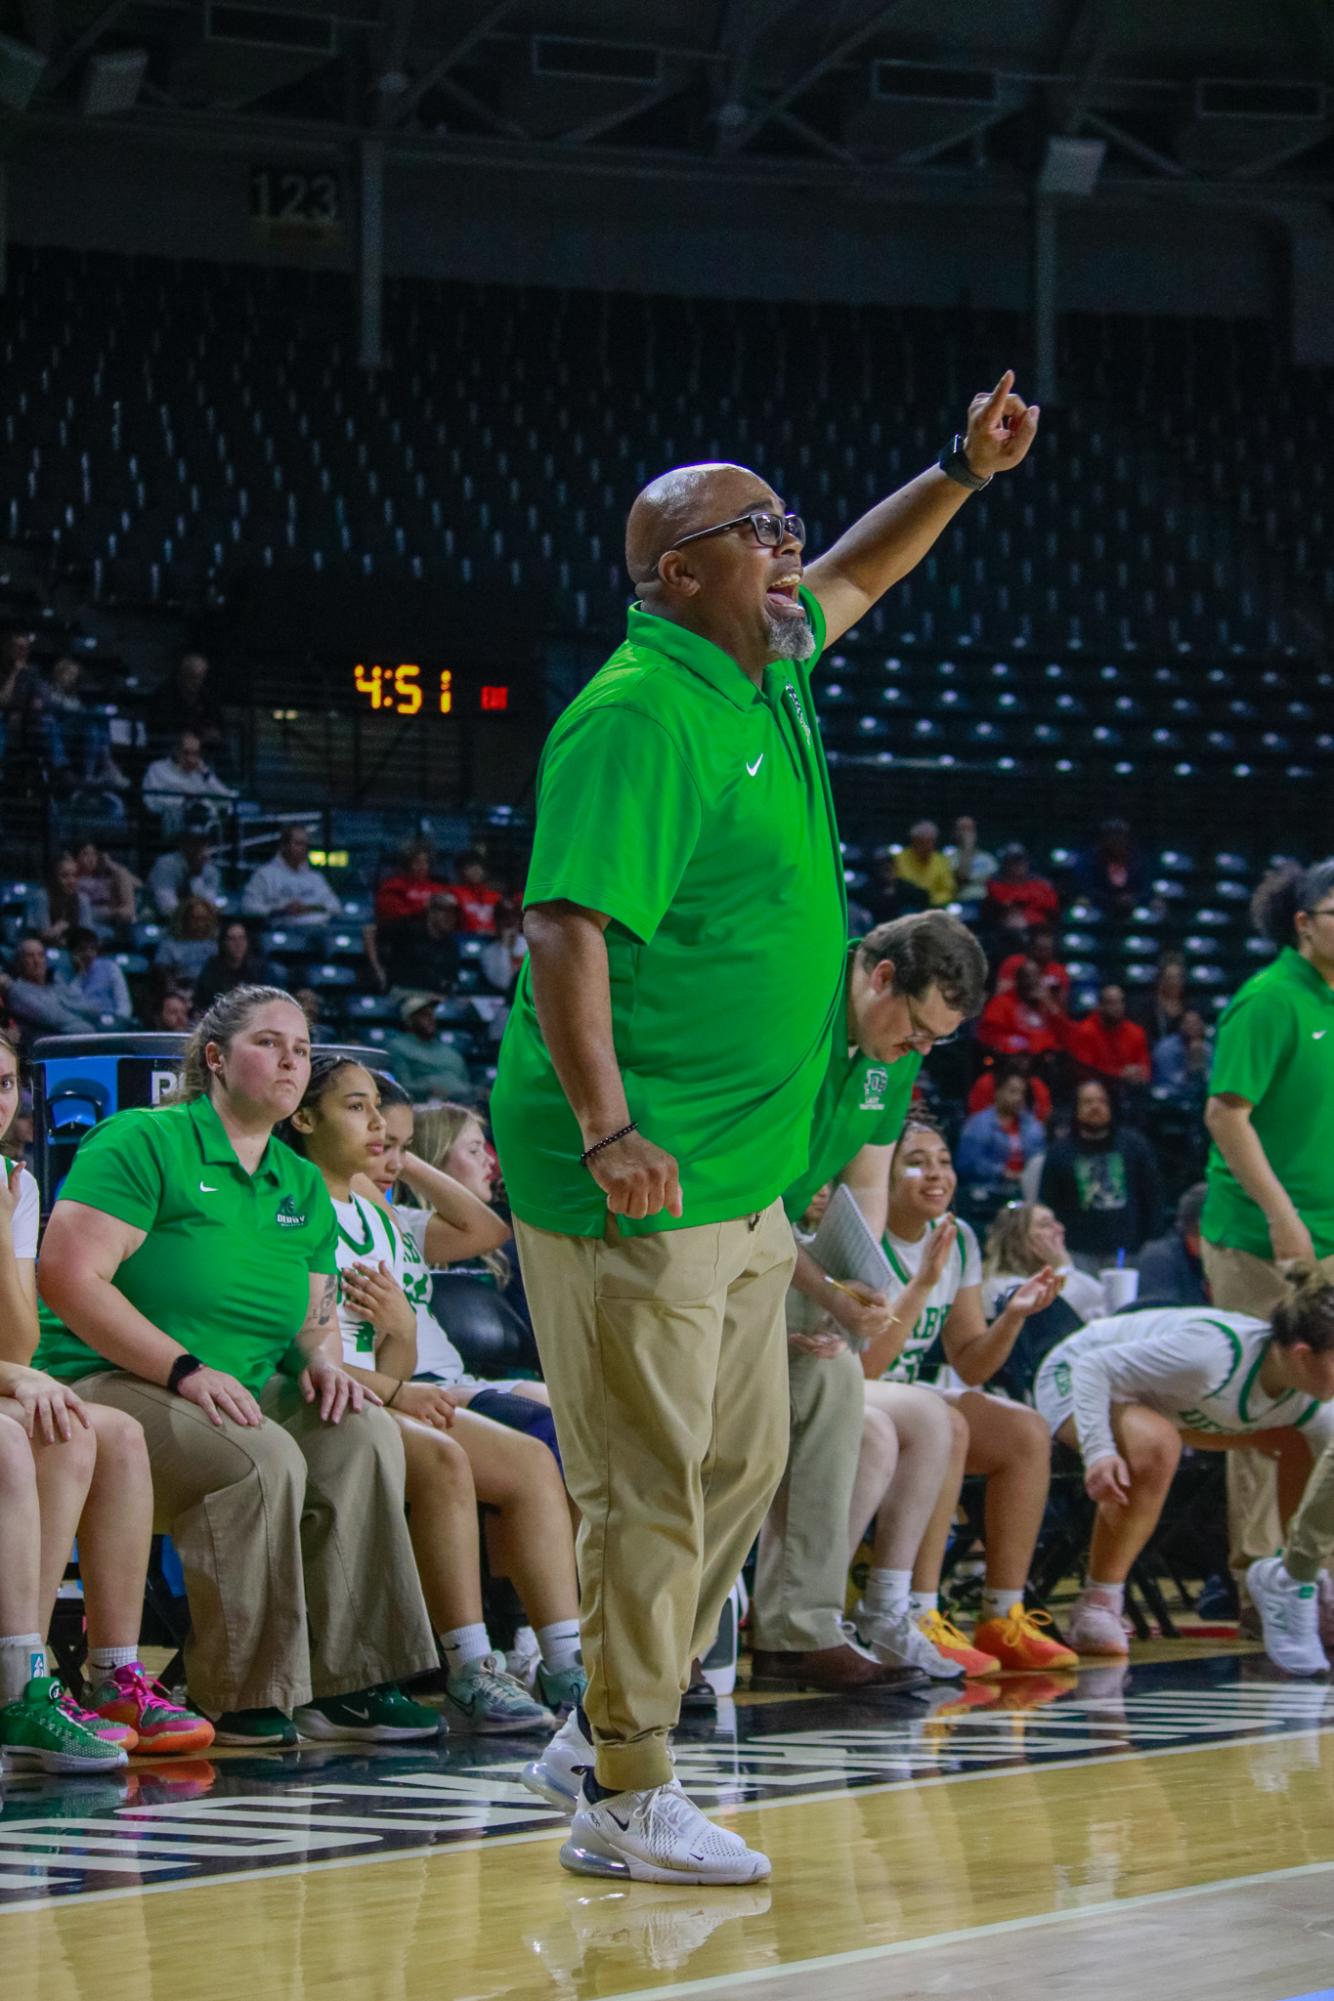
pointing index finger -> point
(996, 401)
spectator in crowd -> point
(208, 1317)
(110, 888)
(973, 866)
(96, 986)
(53, 909)
(983, 1092)
(170, 1013)
(188, 869)
(883, 896)
(1171, 1268)
(187, 703)
(505, 953)
(1181, 1062)
(1161, 1009)
(1101, 1181)
(994, 1144)
(407, 892)
(183, 956)
(1110, 874)
(1024, 1237)
(475, 895)
(1015, 895)
(422, 952)
(235, 963)
(76, 740)
(425, 1066)
(1040, 947)
(289, 890)
(31, 995)
(312, 1007)
(1108, 1043)
(1024, 1022)
(923, 868)
(171, 782)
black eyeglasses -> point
(771, 530)
(925, 1039)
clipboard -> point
(844, 1247)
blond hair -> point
(436, 1131)
(1009, 1249)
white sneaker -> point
(1096, 1628)
(1324, 1592)
(902, 1643)
(558, 1775)
(658, 1836)
(1290, 1615)
(486, 1698)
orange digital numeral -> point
(446, 691)
(495, 698)
(370, 681)
(406, 688)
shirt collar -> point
(690, 649)
(217, 1149)
(1295, 967)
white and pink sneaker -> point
(1096, 1628)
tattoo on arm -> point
(328, 1302)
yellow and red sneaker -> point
(948, 1640)
(129, 1695)
(1017, 1643)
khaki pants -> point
(298, 1568)
(801, 1576)
(665, 1359)
(1242, 1283)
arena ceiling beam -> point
(812, 73)
(438, 71)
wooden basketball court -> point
(1170, 1825)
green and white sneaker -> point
(562, 1689)
(43, 1732)
(486, 1698)
(371, 1716)
(259, 1729)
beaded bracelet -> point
(610, 1140)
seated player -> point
(454, 1457)
(938, 1335)
(1130, 1390)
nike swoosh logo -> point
(357, 1715)
(1319, 1034)
(204, 1189)
(752, 769)
(624, 1825)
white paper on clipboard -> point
(844, 1247)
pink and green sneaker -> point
(47, 1731)
(128, 1697)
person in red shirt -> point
(983, 1092)
(1024, 1022)
(473, 894)
(1015, 890)
(1042, 951)
(1107, 1043)
(407, 892)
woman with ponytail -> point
(1269, 1114)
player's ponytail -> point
(1305, 1312)
(1285, 891)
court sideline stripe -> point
(1000, 1928)
(58, 1899)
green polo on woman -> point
(226, 1265)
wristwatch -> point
(953, 462)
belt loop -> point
(753, 1222)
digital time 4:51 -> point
(403, 690)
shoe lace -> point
(1021, 1624)
(66, 1704)
(941, 1632)
(136, 1681)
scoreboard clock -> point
(408, 688)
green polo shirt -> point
(226, 1265)
(694, 809)
(861, 1102)
(1275, 1048)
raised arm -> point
(880, 549)
(461, 1224)
(977, 1350)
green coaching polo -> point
(862, 1102)
(226, 1265)
(694, 809)
(1276, 1050)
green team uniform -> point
(923, 1356)
(1276, 1049)
(226, 1265)
(694, 810)
(861, 1102)
(365, 1237)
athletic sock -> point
(922, 1603)
(996, 1604)
(559, 1644)
(22, 1659)
(464, 1646)
(108, 1659)
(1112, 1595)
(887, 1593)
